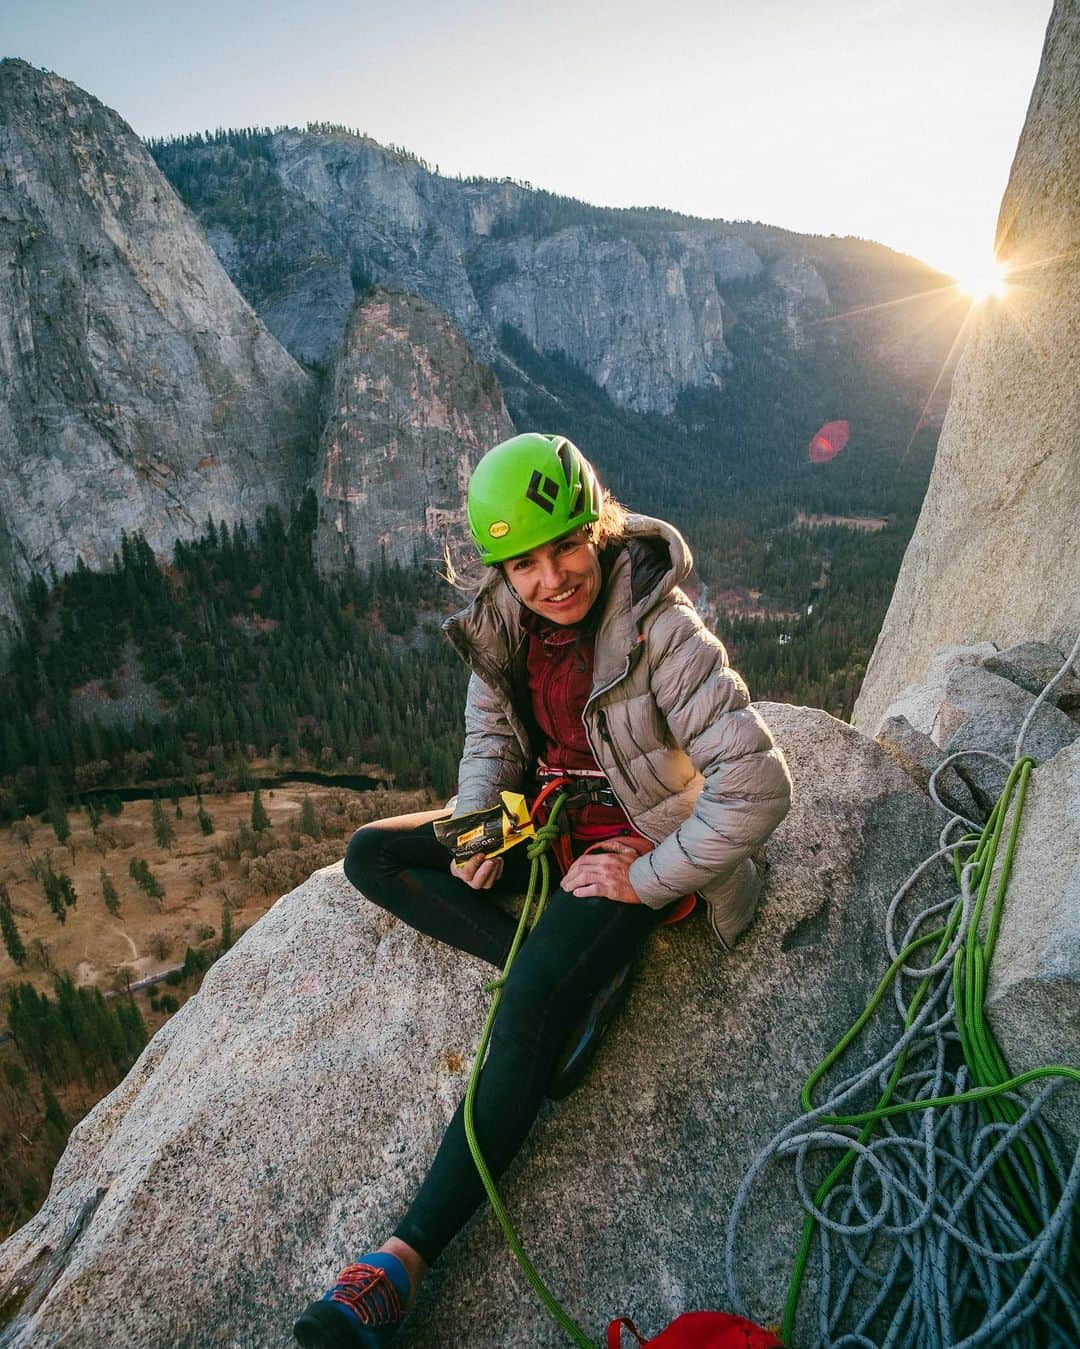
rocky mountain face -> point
(643, 324)
(996, 552)
(139, 390)
(411, 410)
(640, 301)
(143, 394)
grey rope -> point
(918, 1244)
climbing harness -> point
(948, 1206)
(695, 1330)
(591, 786)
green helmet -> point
(528, 491)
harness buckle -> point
(589, 787)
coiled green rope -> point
(981, 1218)
(981, 1053)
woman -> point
(586, 659)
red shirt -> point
(560, 669)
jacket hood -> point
(650, 560)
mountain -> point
(139, 389)
(411, 410)
(640, 300)
(693, 360)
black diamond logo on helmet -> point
(543, 491)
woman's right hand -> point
(480, 872)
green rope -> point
(986, 1064)
(530, 914)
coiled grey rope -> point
(918, 1244)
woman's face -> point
(559, 580)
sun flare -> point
(983, 283)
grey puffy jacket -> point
(669, 722)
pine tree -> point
(140, 873)
(55, 1120)
(133, 1028)
(309, 821)
(260, 821)
(12, 941)
(67, 889)
(109, 894)
(206, 823)
(226, 925)
(15, 1076)
(56, 813)
(164, 833)
(54, 893)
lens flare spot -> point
(827, 443)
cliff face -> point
(139, 391)
(996, 553)
(639, 300)
(411, 411)
(642, 324)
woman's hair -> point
(466, 572)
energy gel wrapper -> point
(487, 832)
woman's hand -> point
(605, 871)
(480, 872)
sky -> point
(894, 120)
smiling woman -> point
(590, 668)
(560, 579)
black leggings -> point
(575, 948)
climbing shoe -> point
(363, 1309)
(573, 1062)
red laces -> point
(368, 1291)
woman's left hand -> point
(603, 871)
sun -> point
(984, 282)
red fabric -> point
(560, 668)
(700, 1330)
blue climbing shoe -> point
(573, 1062)
(363, 1310)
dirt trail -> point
(121, 933)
